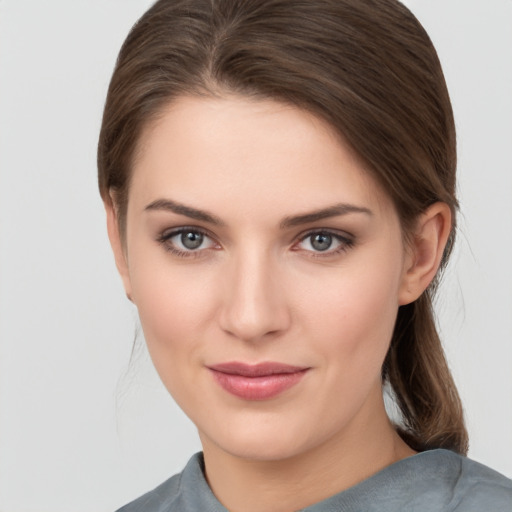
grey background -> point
(79, 429)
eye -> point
(190, 240)
(186, 241)
(324, 242)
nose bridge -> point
(253, 304)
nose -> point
(254, 305)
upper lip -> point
(256, 370)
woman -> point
(279, 185)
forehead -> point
(248, 155)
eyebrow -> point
(187, 211)
(288, 222)
(325, 213)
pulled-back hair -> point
(369, 69)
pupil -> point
(321, 242)
(191, 240)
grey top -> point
(432, 481)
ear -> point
(118, 248)
(425, 251)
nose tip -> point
(249, 328)
(254, 307)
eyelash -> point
(346, 242)
(166, 236)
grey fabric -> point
(432, 481)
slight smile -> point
(257, 381)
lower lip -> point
(262, 387)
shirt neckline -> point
(391, 484)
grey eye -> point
(187, 242)
(191, 239)
(321, 241)
(324, 242)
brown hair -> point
(365, 66)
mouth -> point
(259, 381)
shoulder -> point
(160, 499)
(184, 492)
(479, 487)
(467, 486)
(431, 481)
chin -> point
(264, 441)
(267, 451)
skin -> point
(257, 290)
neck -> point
(367, 445)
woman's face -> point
(267, 267)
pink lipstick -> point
(256, 382)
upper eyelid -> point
(329, 231)
(170, 232)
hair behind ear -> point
(424, 389)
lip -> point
(260, 381)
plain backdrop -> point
(80, 429)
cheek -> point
(174, 304)
(354, 316)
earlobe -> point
(425, 252)
(118, 248)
